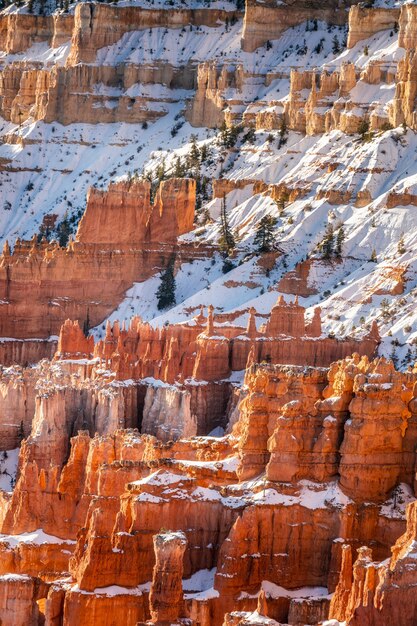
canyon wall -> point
(87, 279)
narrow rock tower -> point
(165, 599)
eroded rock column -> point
(165, 599)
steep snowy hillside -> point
(312, 141)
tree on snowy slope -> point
(340, 238)
(226, 241)
(166, 290)
(265, 236)
(327, 244)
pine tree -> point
(204, 153)
(161, 171)
(363, 128)
(179, 170)
(64, 231)
(226, 241)
(394, 357)
(194, 156)
(265, 236)
(166, 290)
(282, 133)
(327, 245)
(335, 45)
(374, 258)
(340, 238)
(86, 325)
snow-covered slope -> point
(48, 168)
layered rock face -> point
(86, 280)
(98, 89)
(365, 22)
(267, 20)
(89, 35)
(253, 526)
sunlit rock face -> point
(259, 521)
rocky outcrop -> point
(366, 21)
(370, 465)
(165, 598)
(323, 102)
(267, 20)
(373, 593)
(97, 26)
(208, 104)
(18, 595)
(124, 216)
(208, 352)
(86, 280)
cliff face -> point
(267, 20)
(89, 34)
(86, 279)
(124, 216)
(365, 22)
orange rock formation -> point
(258, 519)
(210, 352)
(87, 279)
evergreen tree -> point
(229, 136)
(374, 258)
(335, 45)
(226, 241)
(194, 156)
(264, 238)
(166, 290)
(340, 238)
(64, 231)
(204, 153)
(179, 170)
(327, 245)
(86, 325)
(161, 171)
(282, 133)
(363, 128)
